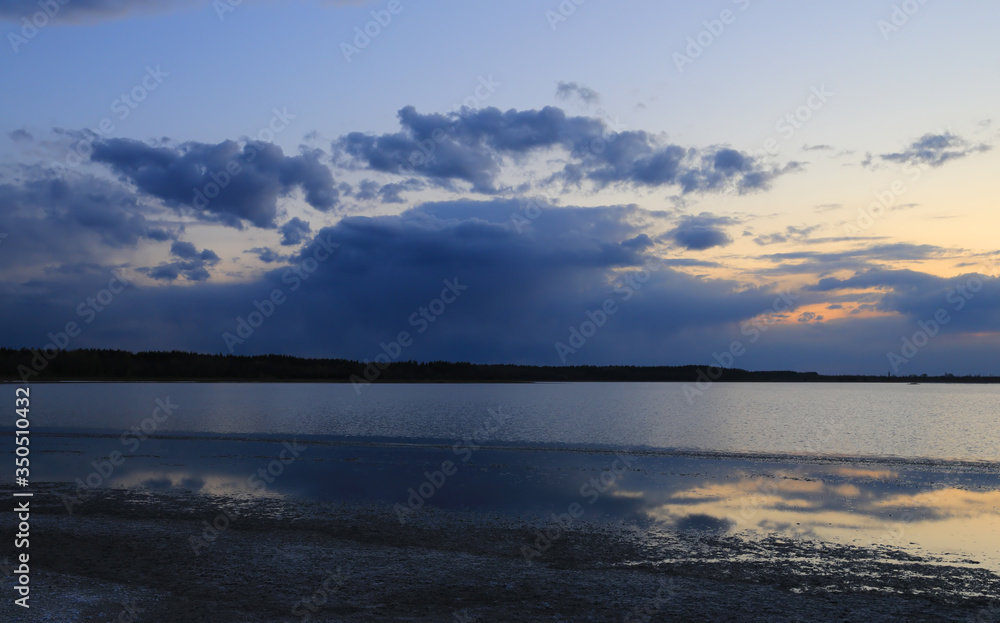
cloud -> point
(972, 300)
(187, 251)
(817, 148)
(697, 233)
(294, 231)
(935, 150)
(878, 278)
(268, 256)
(71, 219)
(191, 264)
(526, 286)
(860, 258)
(20, 135)
(640, 242)
(524, 290)
(473, 146)
(89, 11)
(826, 207)
(767, 239)
(369, 190)
(392, 193)
(792, 232)
(570, 90)
(689, 262)
(227, 183)
(883, 252)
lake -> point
(881, 420)
(793, 476)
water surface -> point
(933, 421)
(938, 513)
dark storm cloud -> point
(935, 150)
(570, 90)
(52, 219)
(86, 202)
(525, 289)
(704, 231)
(473, 146)
(227, 182)
(294, 231)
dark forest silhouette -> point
(118, 365)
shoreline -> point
(373, 442)
(820, 381)
(127, 548)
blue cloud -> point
(697, 233)
(294, 231)
(473, 146)
(228, 182)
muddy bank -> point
(143, 556)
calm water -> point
(934, 421)
(940, 512)
(388, 443)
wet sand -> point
(129, 555)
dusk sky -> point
(807, 186)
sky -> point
(761, 185)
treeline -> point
(118, 365)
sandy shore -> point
(141, 556)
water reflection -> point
(932, 513)
(944, 511)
